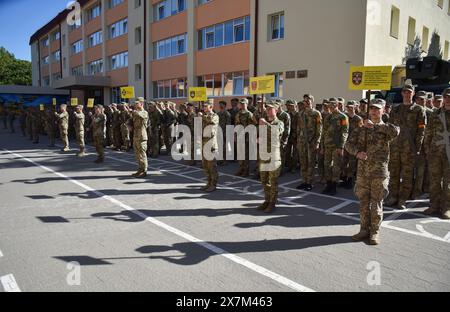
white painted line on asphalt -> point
(9, 283)
(236, 259)
(337, 207)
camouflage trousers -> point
(244, 164)
(292, 154)
(153, 146)
(332, 164)
(307, 158)
(80, 139)
(210, 169)
(283, 153)
(401, 167)
(64, 137)
(125, 133)
(35, 133)
(168, 139)
(371, 193)
(140, 153)
(421, 181)
(349, 165)
(29, 129)
(439, 183)
(269, 181)
(99, 148)
(117, 137)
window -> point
(56, 36)
(440, 3)
(77, 47)
(446, 52)
(56, 76)
(200, 2)
(137, 3)
(137, 35)
(56, 56)
(168, 8)
(234, 31)
(425, 35)
(46, 60)
(411, 31)
(277, 26)
(118, 61)
(95, 67)
(94, 12)
(76, 25)
(227, 84)
(170, 47)
(95, 39)
(116, 95)
(114, 3)
(395, 22)
(46, 81)
(77, 71)
(170, 89)
(138, 72)
(118, 29)
(45, 42)
(279, 80)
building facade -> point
(164, 47)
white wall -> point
(135, 52)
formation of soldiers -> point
(387, 154)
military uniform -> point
(321, 157)
(124, 120)
(270, 169)
(155, 116)
(11, 119)
(421, 181)
(63, 121)
(437, 144)
(286, 119)
(244, 118)
(309, 134)
(404, 149)
(99, 135)
(190, 123)
(79, 131)
(4, 115)
(224, 121)
(23, 122)
(140, 138)
(169, 120)
(350, 162)
(210, 166)
(291, 148)
(372, 175)
(35, 125)
(50, 127)
(116, 129)
(335, 134)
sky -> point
(19, 19)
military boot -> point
(302, 186)
(327, 189)
(99, 160)
(402, 204)
(245, 173)
(431, 211)
(141, 175)
(270, 207)
(211, 189)
(349, 184)
(333, 189)
(362, 235)
(374, 239)
(134, 175)
(81, 153)
(204, 188)
(239, 173)
(391, 201)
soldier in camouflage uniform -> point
(99, 132)
(124, 120)
(11, 118)
(210, 120)
(29, 122)
(320, 157)
(50, 125)
(168, 125)
(79, 129)
(244, 118)
(437, 102)
(437, 146)
(270, 168)
(190, 109)
(155, 116)
(421, 181)
(259, 113)
(286, 119)
(234, 111)
(182, 121)
(291, 147)
(63, 122)
(335, 134)
(411, 118)
(309, 134)
(35, 125)
(140, 119)
(370, 144)
(23, 121)
(350, 162)
(251, 106)
(224, 121)
(115, 127)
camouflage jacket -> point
(99, 126)
(211, 119)
(155, 119)
(63, 120)
(378, 149)
(355, 122)
(140, 124)
(286, 119)
(224, 119)
(233, 112)
(435, 134)
(79, 122)
(309, 127)
(257, 115)
(335, 130)
(272, 147)
(244, 118)
(294, 123)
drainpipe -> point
(255, 48)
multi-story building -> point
(163, 47)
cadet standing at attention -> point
(140, 138)
(370, 144)
(63, 122)
(270, 168)
(335, 134)
(286, 119)
(210, 120)
(244, 118)
(224, 121)
(79, 129)
(99, 132)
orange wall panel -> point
(56, 67)
(75, 35)
(219, 11)
(55, 46)
(225, 59)
(45, 71)
(75, 60)
(169, 68)
(117, 13)
(94, 53)
(93, 26)
(117, 45)
(169, 27)
(119, 77)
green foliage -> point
(435, 46)
(14, 71)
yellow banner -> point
(262, 85)
(90, 103)
(74, 102)
(54, 101)
(41, 107)
(370, 78)
(127, 92)
(197, 94)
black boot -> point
(349, 184)
(333, 189)
(327, 189)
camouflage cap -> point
(309, 96)
(234, 100)
(272, 104)
(409, 87)
(279, 101)
(325, 102)
(438, 97)
(243, 101)
(363, 101)
(378, 103)
(190, 104)
(422, 95)
(341, 100)
(352, 104)
(430, 95)
(210, 102)
(223, 103)
(446, 92)
(291, 102)
(140, 99)
(332, 101)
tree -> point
(435, 46)
(14, 71)
(413, 51)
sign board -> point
(41, 107)
(74, 102)
(127, 92)
(90, 103)
(262, 85)
(370, 78)
(54, 101)
(197, 94)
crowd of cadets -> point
(313, 140)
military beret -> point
(378, 103)
(409, 87)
